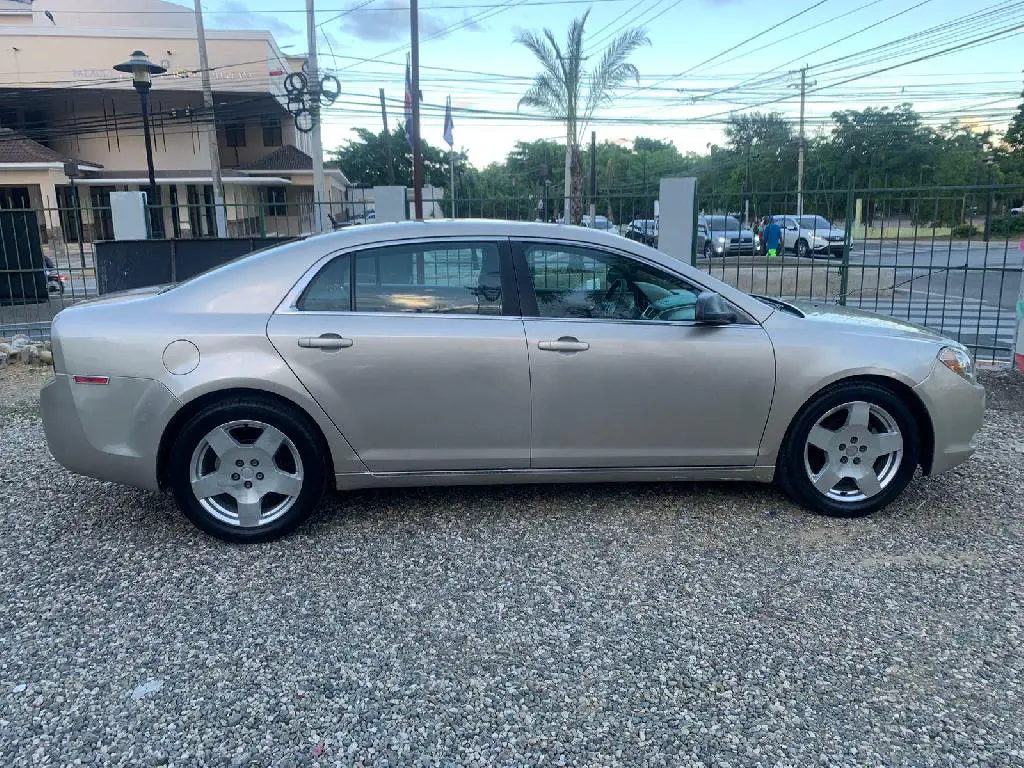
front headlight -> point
(958, 361)
(721, 240)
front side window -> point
(814, 222)
(571, 282)
(448, 278)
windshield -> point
(814, 222)
(723, 222)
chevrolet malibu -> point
(480, 352)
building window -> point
(277, 201)
(234, 134)
(272, 132)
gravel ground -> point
(611, 625)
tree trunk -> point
(569, 149)
(577, 187)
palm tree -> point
(565, 91)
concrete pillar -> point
(858, 216)
(183, 221)
(676, 225)
(47, 204)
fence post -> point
(844, 269)
(1018, 347)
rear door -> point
(417, 352)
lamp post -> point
(142, 71)
(991, 163)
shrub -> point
(1006, 226)
(964, 230)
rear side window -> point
(331, 289)
(445, 278)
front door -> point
(417, 353)
(621, 374)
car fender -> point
(811, 357)
(230, 364)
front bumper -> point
(957, 408)
(108, 431)
(734, 249)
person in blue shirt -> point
(772, 238)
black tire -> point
(791, 473)
(292, 423)
(802, 249)
(709, 250)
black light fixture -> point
(142, 70)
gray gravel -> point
(611, 625)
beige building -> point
(60, 99)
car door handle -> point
(325, 341)
(564, 344)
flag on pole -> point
(448, 124)
(408, 101)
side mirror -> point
(711, 309)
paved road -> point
(986, 272)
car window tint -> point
(574, 282)
(460, 278)
(330, 290)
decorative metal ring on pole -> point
(301, 99)
(304, 121)
(330, 88)
(296, 83)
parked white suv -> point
(811, 235)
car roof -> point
(401, 230)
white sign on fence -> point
(128, 211)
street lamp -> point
(142, 71)
(991, 163)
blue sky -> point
(701, 63)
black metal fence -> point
(948, 258)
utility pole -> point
(387, 140)
(800, 155)
(314, 97)
(593, 178)
(417, 159)
(219, 211)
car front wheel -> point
(850, 451)
(709, 250)
(247, 470)
(802, 250)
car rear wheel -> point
(850, 451)
(247, 470)
(802, 250)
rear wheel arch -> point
(901, 390)
(195, 406)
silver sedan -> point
(490, 352)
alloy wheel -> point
(246, 473)
(853, 452)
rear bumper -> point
(957, 408)
(110, 432)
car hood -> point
(857, 318)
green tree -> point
(365, 160)
(1014, 138)
(564, 90)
